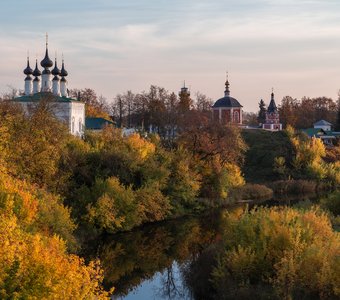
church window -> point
(236, 117)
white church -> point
(52, 87)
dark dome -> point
(46, 62)
(63, 72)
(227, 101)
(55, 70)
(36, 71)
(28, 70)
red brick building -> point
(227, 109)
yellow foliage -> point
(141, 146)
(289, 248)
(38, 267)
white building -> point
(322, 124)
(54, 91)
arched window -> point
(236, 117)
(72, 126)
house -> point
(322, 130)
(323, 125)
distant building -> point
(326, 126)
(97, 124)
(227, 109)
(272, 116)
(323, 130)
(69, 110)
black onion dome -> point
(46, 62)
(36, 71)
(227, 101)
(272, 108)
(28, 70)
(55, 70)
(63, 72)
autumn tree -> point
(288, 111)
(96, 106)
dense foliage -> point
(271, 253)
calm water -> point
(153, 262)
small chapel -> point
(227, 109)
(52, 86)
(272, 116)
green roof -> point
(314, 131)
(44, 95)
(97, 123)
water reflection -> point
(133, 257)
(167, 260)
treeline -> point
(305, 112)
(156, 110)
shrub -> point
(252, 192)
(294, 186)
(296, 252)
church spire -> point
(272, 108)
(227, 90)
(46, 62)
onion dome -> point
(28, 70)
(36, 71)
(28, 78)
(63, 72)
(55, 70)
(46, 62)
(63, 79)
(36, 79)
(227, 100)
(272, 105)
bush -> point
(294, 186)
(296, 252)
(252, 192)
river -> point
(152, 262)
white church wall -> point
(71, 113)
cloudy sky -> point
(114, 46)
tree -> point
(262, 113)
(289, 111)
(96, 107)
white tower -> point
(28, 80)
(36, 81)
(63, 81)
(56, 80)
(46, 63)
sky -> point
(113, 46)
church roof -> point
(227, 101)
(322, 123)
(39, 96)
(272, 105)
(97, 123)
